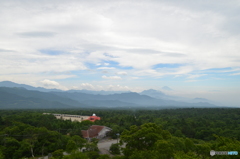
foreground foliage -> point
(179, 134)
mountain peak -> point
(167, 88)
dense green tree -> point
(91, 147)
(178, 143)
(115, 149)
(118, 157)
(58, 154)
(1, 121)
(164, 149)
(71, 146)
(92, 154)
(143, 139)
(105, 156)
(1, 153)
(80, 142)
(189, 155)
(76, 155)
(26, 133)
(147, 154)
(23, 150)
(189, 145)
(11, 145)
(203, 150)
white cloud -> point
(53, 84)
(200, 40)
(134, 77)
(191, 80)
(111, 77)
(106, 68)
(122, 73)
(87, 86)
(49, 83)
(196, 76)
(118, 88)
(235, 74)
(117, 35)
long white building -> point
(78, 118)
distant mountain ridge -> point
(13, 101)
(41, 89)
(102, 92)
(12, 85)
(22, 96)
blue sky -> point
(190, 46)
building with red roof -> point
(93, 118)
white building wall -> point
(103, 132)
(78, 118)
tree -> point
(105, 156)
(189, 155)
(76, 155)
(91, 147)
(1, 154)
(203, 149)
(58, 154)
(164, 148)
(1, 121)
(71, 146)
(115, 149)
(92, 155)
(178, 143)
(23, 150)
(32, 138)
(11, 146)
(80, 142)
(189, 145)
(143, 139)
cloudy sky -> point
(190, 46)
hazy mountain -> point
(160, 95)
(203, 100)
(102, 92)
(12, 85)
(167, 88)
(108, 103)
(13, 101)
(41, 89)
(22, 97)
(124, 97)
(157, 94)
(41, 95)
(132, 98)
(153, 93)
(200, 100)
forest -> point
(187, 133)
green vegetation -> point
(115, 149)
(173, 133)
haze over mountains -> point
(13, 95)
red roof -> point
(93, 118)
(92, 131)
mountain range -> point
(21, 96)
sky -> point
(189, 46)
